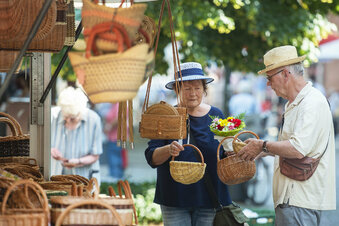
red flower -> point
(236, 122)
(220, 127)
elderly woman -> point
(75, 136)
(189, 204)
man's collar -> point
(302, 94)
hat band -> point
(191, 71)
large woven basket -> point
(187, 172)
(232, 169)
(112, 77)
(16, 144)
(35, 216)
(238, 144)
(17, 18)
(94, 14)
(52, 41)
(7, 59)
(88, 211)
(69, 187)
(163, 121)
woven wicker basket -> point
(88, 211)
(148, 30)
(52, 41)
(94, 14)
(36, 216)
(17, 18)
(111, 77)
(232, 169)
(163, 121)
(7, 59)
(238, 144)
(18, 143)
(23, 171)
(70, 20)
(69, 187)
(187, 172)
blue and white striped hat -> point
(190, 71)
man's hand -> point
(251, 150)
(56, 154)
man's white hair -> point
(72, 101)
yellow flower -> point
(224, 122)
(229, 118)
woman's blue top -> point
(171, 193)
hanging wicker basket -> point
(238, 144)
(187, 172)
(232, 169)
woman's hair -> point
(204, 85)
(72, 101)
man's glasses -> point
(269, 77)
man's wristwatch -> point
(264, 148)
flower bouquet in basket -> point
(229, 126)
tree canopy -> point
(237, 33)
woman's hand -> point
(175, 148)
(56, 154)
(71, 163)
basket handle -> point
(88, 202)
(197, 149)
(134, 210)
(111, 191)
(219, 146)
(10, 124)
(14, 121)
(27, 183)
(235, 139)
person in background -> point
(188, 205)
(76, 142)
(307, 130)
(117, 156)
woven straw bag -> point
(18, 143)
(238, 144)
(232, 169)
(51, 41)
(112, 77)
(87, 211)
(187, 172)
(37, 215)
(94, 14)
(163, 121)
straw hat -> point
(281, 56)
(190, 71)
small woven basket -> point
(232, 169)
(18, 143)
(111, 77)
(37, 215)
(187, 172)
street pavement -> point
(139, 171)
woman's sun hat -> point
(281, 56)
(190, 71)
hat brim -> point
(189, 78)
(281, 64)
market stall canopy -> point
(329, 48)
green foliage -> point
(143, 194)
(237, 33)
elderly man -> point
(307, 131)
(75, 136)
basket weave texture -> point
(187, 172)
(16, 144)
(35, 215)
(70, 210)
(232, 169)
(70, 20)
(130, 18)
(163, 121)
(7, 59)
(111, 77)
(238, 144)
(51, 41)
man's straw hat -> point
(281, 56)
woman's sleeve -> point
(152, 145)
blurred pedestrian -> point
(75, 136)
(307, 131)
